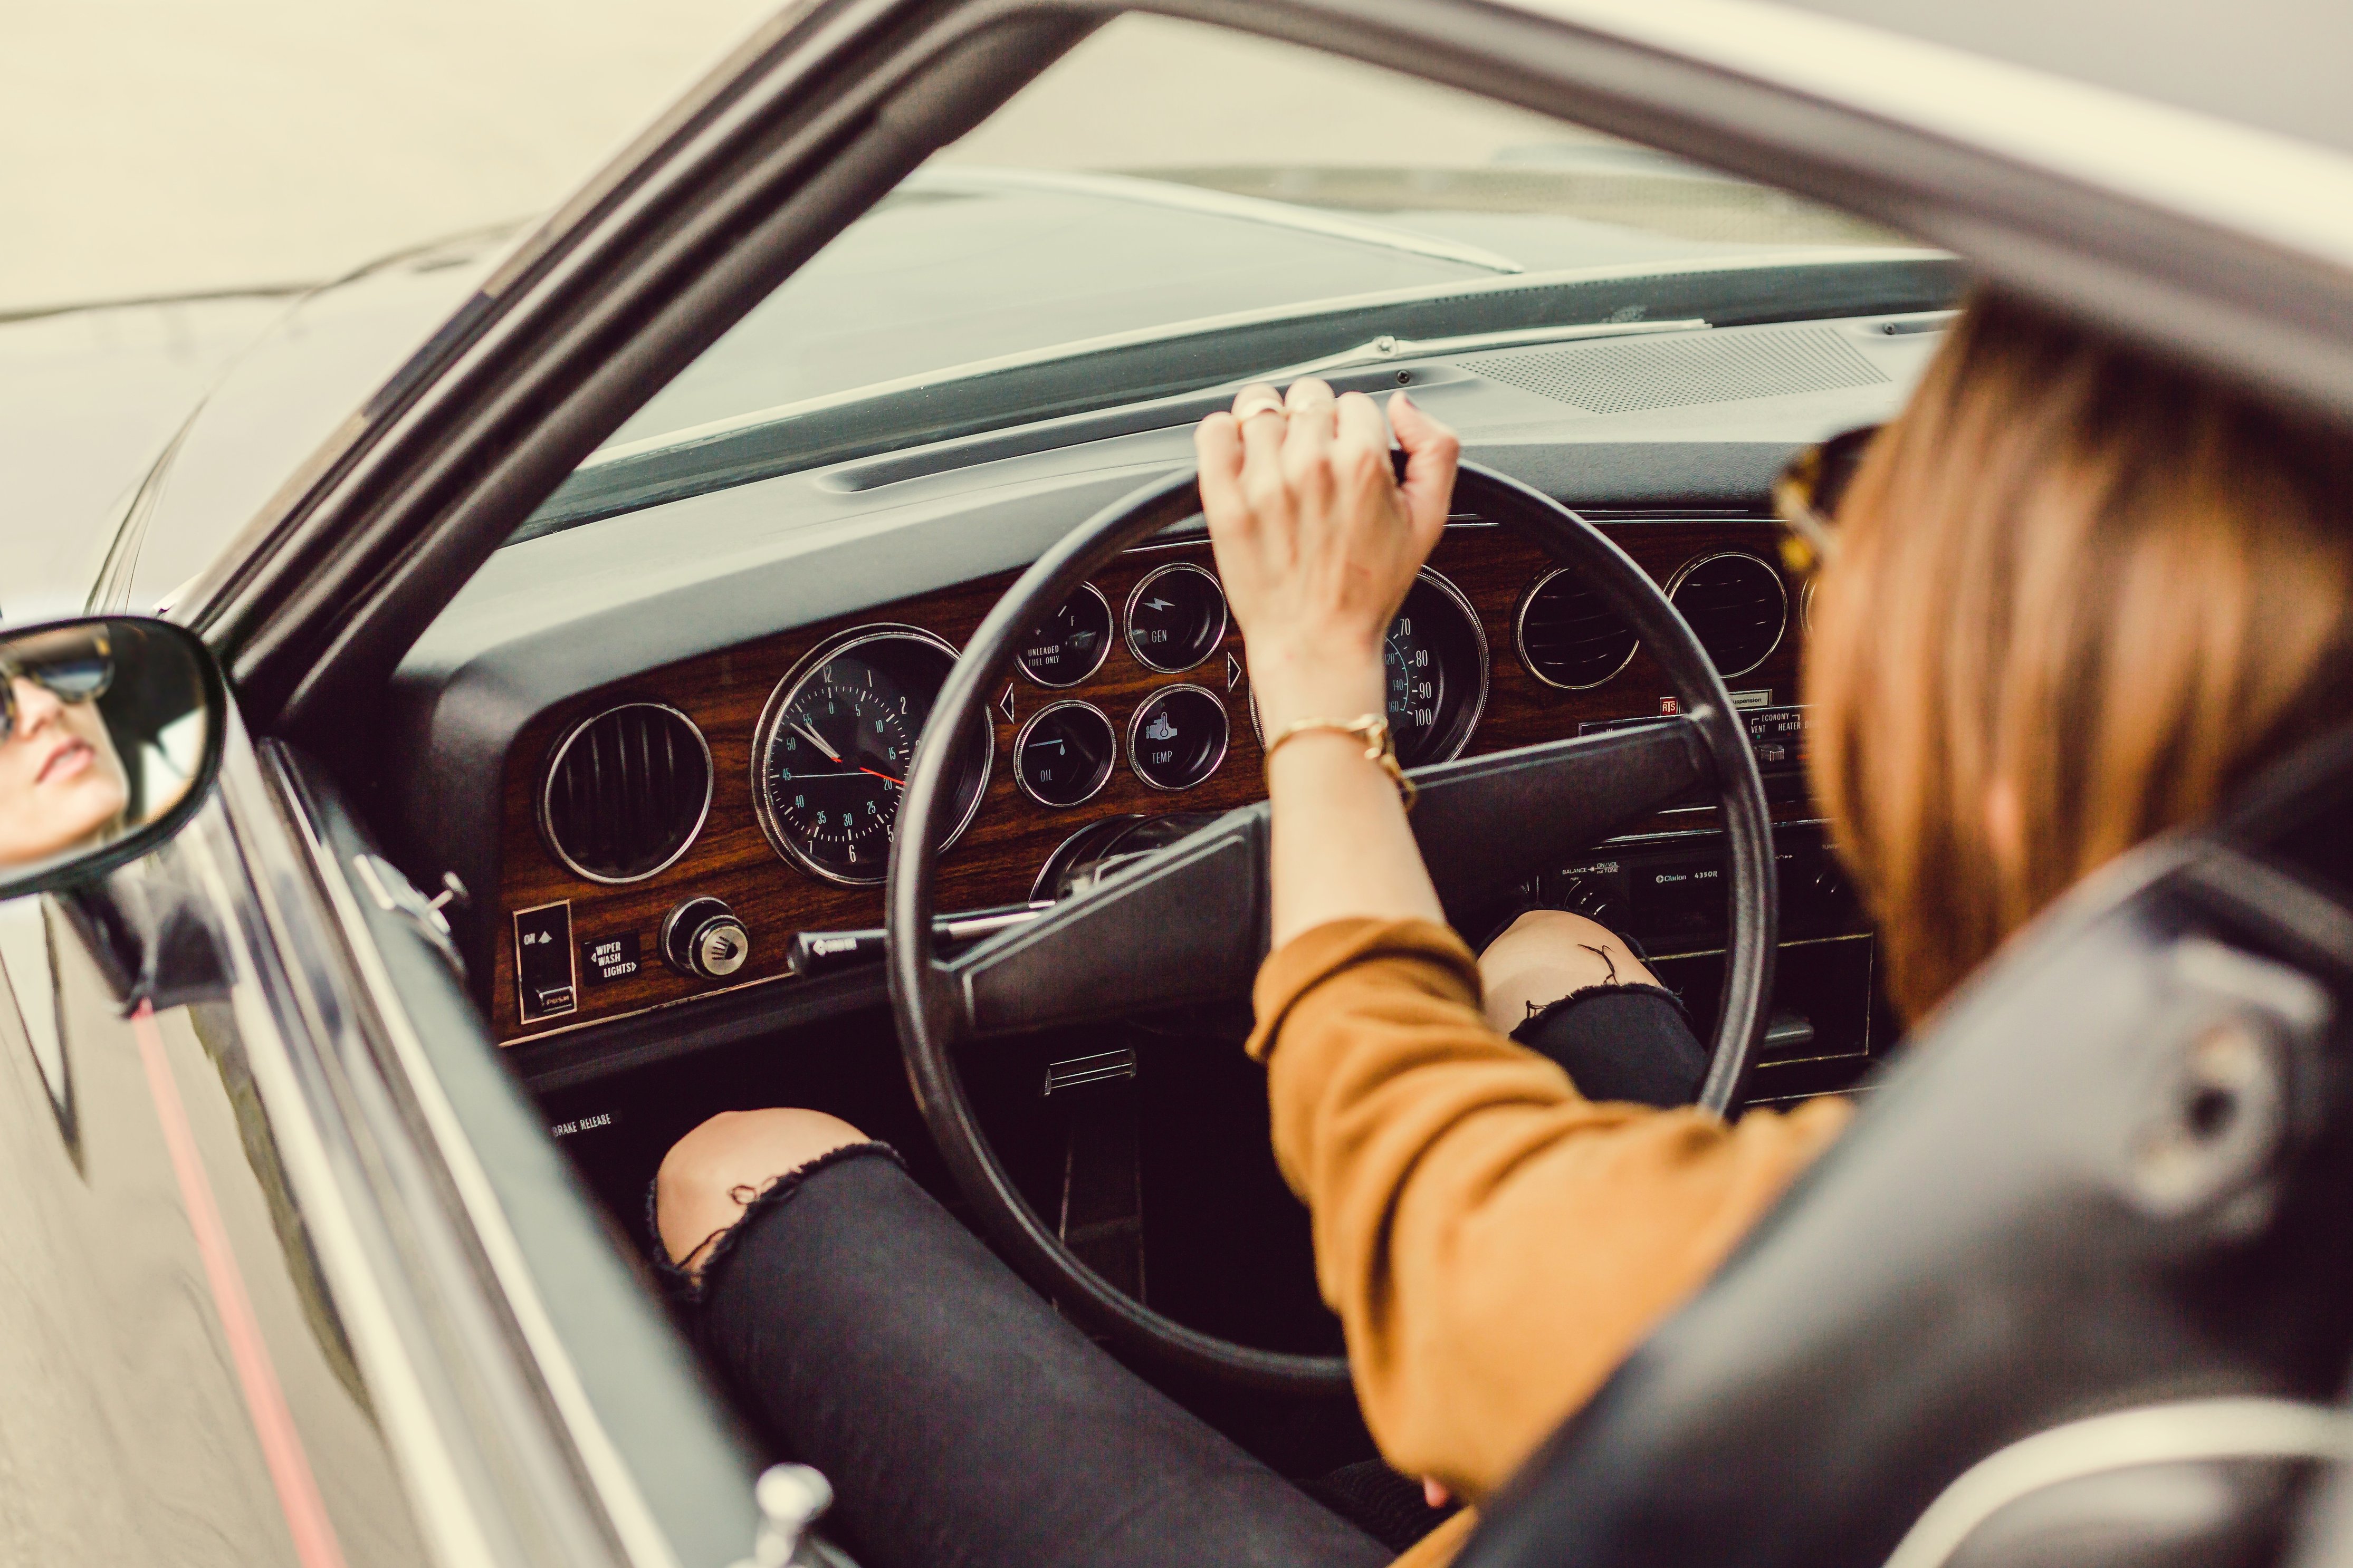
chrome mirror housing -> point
(110, 735)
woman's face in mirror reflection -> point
(61, 784)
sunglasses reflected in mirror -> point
(107, 728)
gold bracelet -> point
(1373, 729)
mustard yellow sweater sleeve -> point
(1494, 1242)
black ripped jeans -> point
(965, 1425)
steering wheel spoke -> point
(1486, 823)
(1190, 921)
(1187, 923)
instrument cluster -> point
(837, 733)
(665, 806)
(840, 730)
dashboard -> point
(724, 821)
(661, 750)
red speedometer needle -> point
(883, 776)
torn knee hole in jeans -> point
(690, 1279)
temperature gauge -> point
(1177, 737)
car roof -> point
(2273, 65)
(2208, 222)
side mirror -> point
(111, 734)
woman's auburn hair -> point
(2079, 595)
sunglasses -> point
(1806, 497)
(75, 667)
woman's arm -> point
(1317, 544)
(1493, 1241)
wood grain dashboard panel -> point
(1000, 854)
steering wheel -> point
(1189, 922)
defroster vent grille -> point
(1629, 375)
(626, 792)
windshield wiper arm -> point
(1386, 347)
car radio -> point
(1666, 892)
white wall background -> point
(164, 146)
(158, 146)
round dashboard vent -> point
(1567, 634)
(1736, 605)
(626, 792)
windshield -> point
(1171, 208)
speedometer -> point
(829, 759)
(1434, 668)
(1433, 673)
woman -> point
(62, 784)
(2076, 597)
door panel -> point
(27, 983)
(131, 1385)
(654, 1446)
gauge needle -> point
(886, 778)
(817, 741)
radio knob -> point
(702, 937)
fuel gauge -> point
(1071, 644)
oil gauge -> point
(1065, 753)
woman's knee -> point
(712, 1176)
(1546, 954)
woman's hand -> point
(1317, 542)
(1316, 539)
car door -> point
(182, 1385)
(183, 1378)
(297, 1276)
